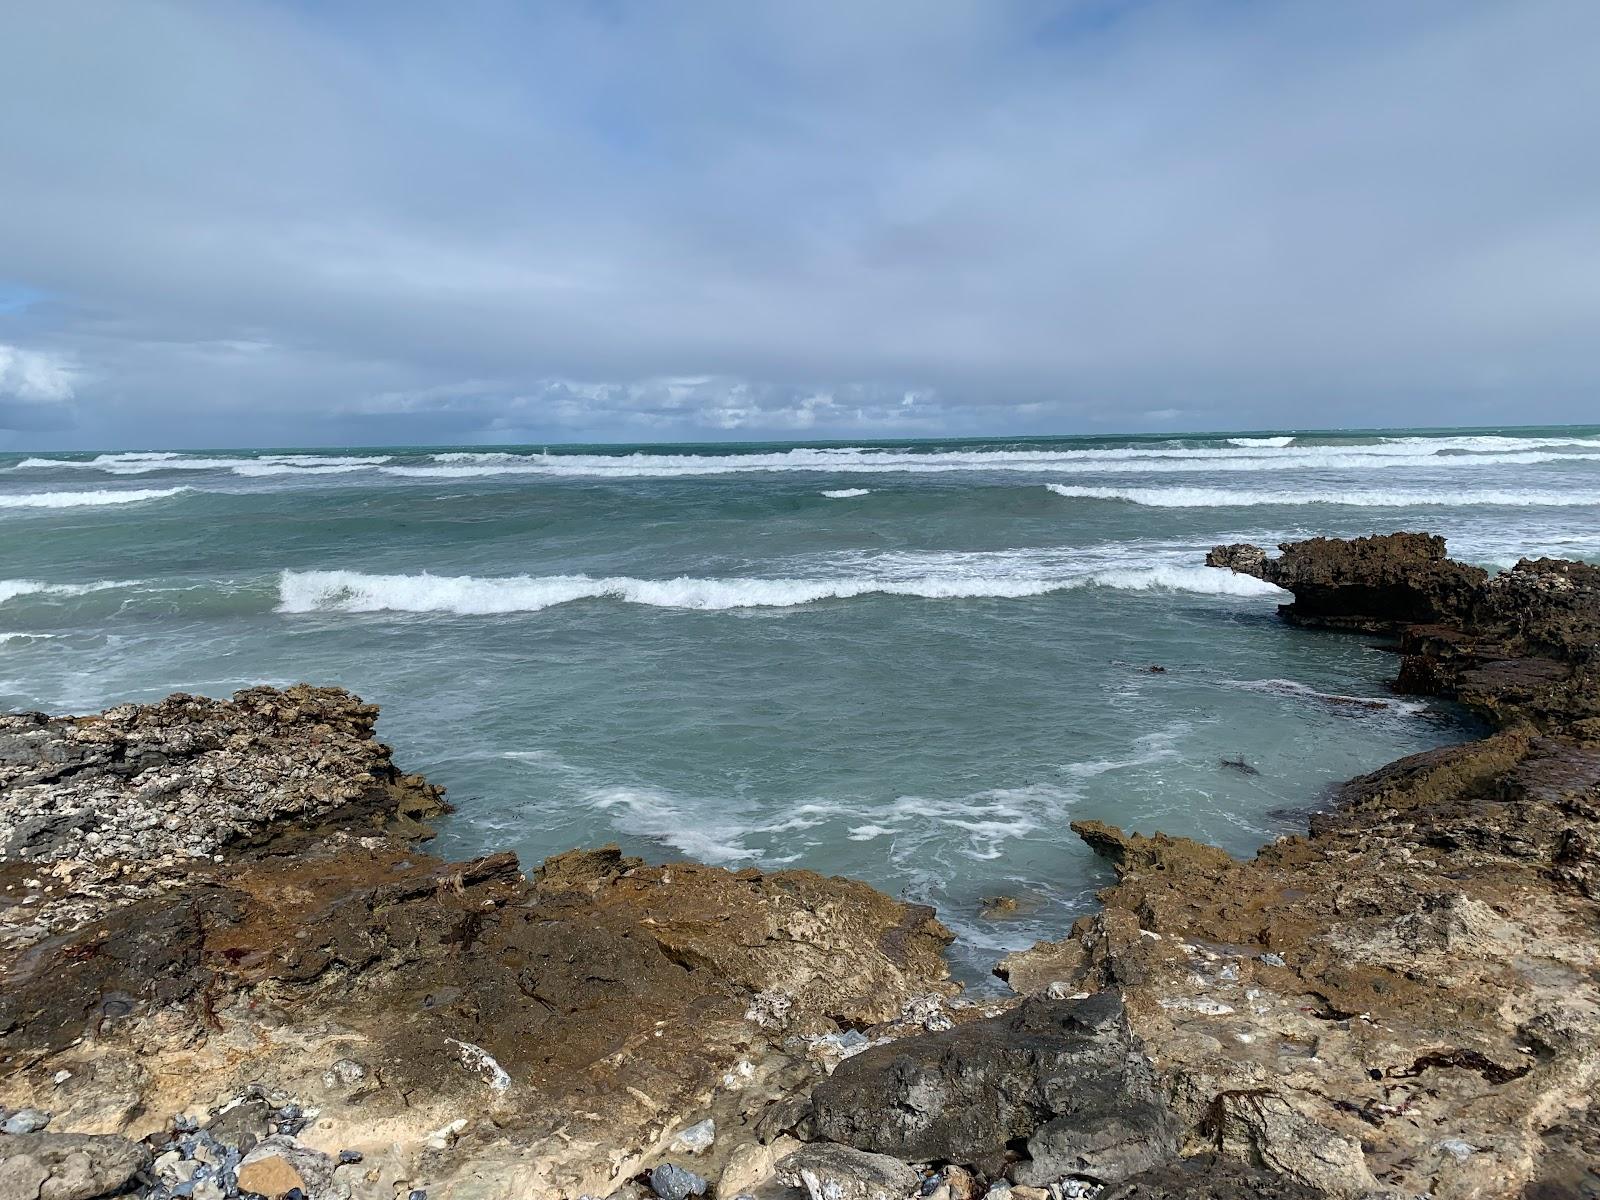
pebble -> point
(696, 1138)
(346, 1071)
(1274, 960)
(672, 1182)
(26, 1120)
(349, 1157)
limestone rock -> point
(833, 1172)
(67, 1166)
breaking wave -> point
(351, 591)
(1261, 441)
(847, 493)
(145, 463)
(85, 499)
(1188, 497)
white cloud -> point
(34, 377)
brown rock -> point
(270, 1176)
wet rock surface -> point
(229, 971)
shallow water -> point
(910, 663)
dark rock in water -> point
(1133, 853)
(1068, 1078)
(1370, 583)
(68, 1166)
(1237, 764)
(672, 1182)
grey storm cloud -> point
(306, 223)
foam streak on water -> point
(914, 663)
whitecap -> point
(355, 592)
(847, 493)
(85, 499)
(1189, 497)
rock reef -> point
(228, 968)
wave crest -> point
(86, 499)
(1190, 497)
(354, 592)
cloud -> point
(36, 390)
(298, 223)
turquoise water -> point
(912, 663)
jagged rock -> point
(833, 1172)
(1067, 1077)
(1361, 583)
(67, 1166)
(1132, 853)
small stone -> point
(962, 1183)
(270, 1175)
(26, 1120)
(672, 1182)
(349, 1157)
(417, 1194)
(346, 1072)
(1274, 960)
(696, 1138)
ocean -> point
(912, 663)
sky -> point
(232, 223)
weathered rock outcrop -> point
(1406, 1000)
(208, 900)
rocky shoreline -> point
(228, 968)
